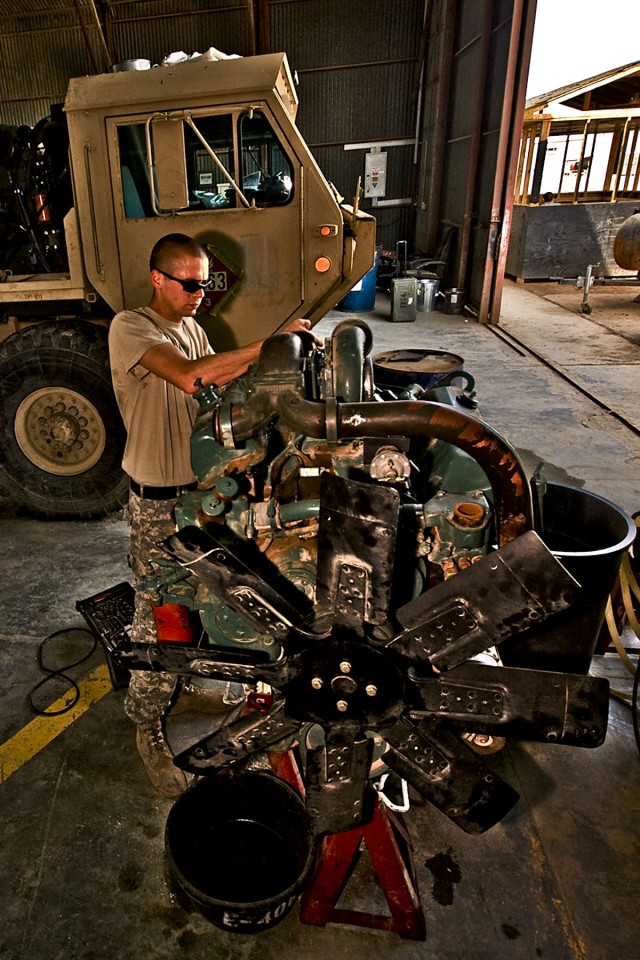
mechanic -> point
(157, 354)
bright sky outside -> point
(576, 39)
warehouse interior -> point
(439, 86)
(83, 844)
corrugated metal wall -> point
(357, 67)
(38, 53)
(154, 28)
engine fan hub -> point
(369, 693)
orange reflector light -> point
(326, 230)
(322, 264)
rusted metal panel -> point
(560, 240)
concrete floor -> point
(82, 854)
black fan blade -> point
(448, 774)
(337, 791)
(248, 734)
(232, 581)
(533, 705)
(218, 663)
(356, 548)
(503, 594)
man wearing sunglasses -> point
(157, 354)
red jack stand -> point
(391, 854)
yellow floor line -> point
(41, 731)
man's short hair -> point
(173, 247)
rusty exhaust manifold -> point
(277, 391)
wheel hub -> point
(65, 430)
(60, 431)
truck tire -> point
(61, 435)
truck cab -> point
(206, 147)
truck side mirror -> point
(169, 173)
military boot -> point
(157, 758)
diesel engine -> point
(376, 560)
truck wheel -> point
(61, 436)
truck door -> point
(229, 179)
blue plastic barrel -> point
(363, 295)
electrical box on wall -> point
(375, 174)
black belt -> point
(146, 492)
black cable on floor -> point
(52, 674)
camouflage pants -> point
(150, 694)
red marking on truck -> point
(225, 279)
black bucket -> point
(589, 536)
(239, 849)
(401, 368)
(454, 300)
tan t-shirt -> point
(158, 416)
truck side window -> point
(134, 171)
(266, 170)
(263, 173)
(208, 185)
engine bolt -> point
(483, 740)
(342, 705)
(370, 690)
(345, 667)
(316, 683)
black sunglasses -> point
(189, 286)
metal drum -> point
(454, 300)
(428, 288)
(401, 368)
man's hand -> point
(303, 326)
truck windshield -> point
(259, 165)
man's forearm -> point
(167, 362)
(221, 368)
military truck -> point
(206, 147)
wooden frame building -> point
(581, 145)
